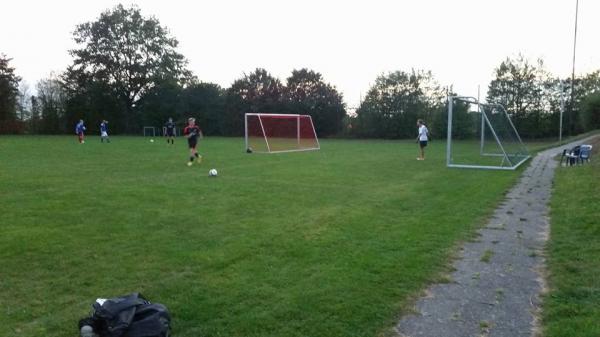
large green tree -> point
(307, 93)
(395, 102)
(257, 92)
(51, 102)
(526, 91)
(9, 90)
(585, 99)
(590, 111)
(129, 55)
(205, 102)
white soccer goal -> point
(149, 131)
(271, 133)
(482, 136)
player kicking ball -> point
(192, 132)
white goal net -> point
(270, 133)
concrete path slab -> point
(497, 282)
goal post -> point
(482, 136)
(273, 133)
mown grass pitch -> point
(325, 243)
(572, 305)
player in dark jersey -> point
(170, 127)
(192, 132)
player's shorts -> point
(170, 133)
(103, 134)
(192, 143)
(422, 143)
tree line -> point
(126, 69)
(531, 96)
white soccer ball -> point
(212, 173)
(151, 140)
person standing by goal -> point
(170, 131)
(192, 132)
(422, 138)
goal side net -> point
(482, 135)
(272, 133)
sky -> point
(349, 42)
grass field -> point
(325, 243)
(572, 307)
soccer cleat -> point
(189, 163)
(199, 159)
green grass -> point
(333, 242)
(572, 306)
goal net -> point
(271, 133)
(481, 135)
(149, 131)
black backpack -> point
(129, 316)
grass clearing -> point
(326, 243)
(572, 306)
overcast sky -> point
(349, 42)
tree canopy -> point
(9, 89)
(395, 102)
(128, 55)
(307, 93)
(126, 68)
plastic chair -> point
(571, 156)
(585, 152)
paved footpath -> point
(497, 282)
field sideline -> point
(571, 307)
(325, 243)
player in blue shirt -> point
(79, 131)
(104, 131)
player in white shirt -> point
(422, 138)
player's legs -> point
(80, 136)
(193, 152)
(422, 145)
(198, 156)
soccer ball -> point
(151, 140)
(212, 173)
